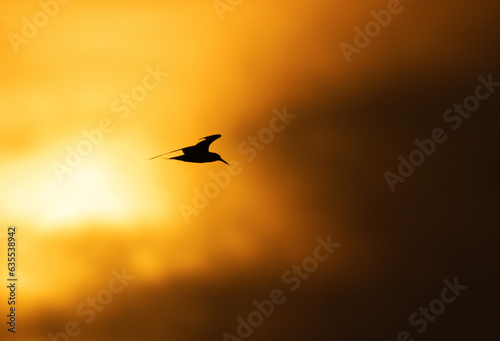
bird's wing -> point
(203, 145)
(199, 147)
(165, 153)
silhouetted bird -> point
(198, 153)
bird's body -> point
(198, 153)
(198, 158)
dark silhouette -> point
(198, 153)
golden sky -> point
(93, 89)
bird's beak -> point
(225, 162)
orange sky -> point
(114, 209)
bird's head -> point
(220, 159)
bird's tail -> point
(180, 157)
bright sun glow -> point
(87, 194)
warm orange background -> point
(321, 175)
